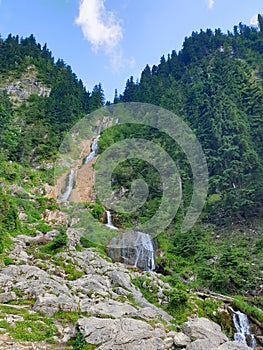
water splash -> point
(109, 221)
(243, 334)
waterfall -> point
(65, 196)
(109, 221)
(133, 248)
(243, 334)
(144, 250)
(94, 150)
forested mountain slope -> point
(47, 99)
(56, 286)
(215, 84)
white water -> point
(94, 150)
(143, 244)
(109, 221)
(243, 334)
(133, 248)
(65, 196)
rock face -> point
(202, 328)
(122, 334)
(87, 283)
(26, 85)
(133, 248)
(208, 336)
(181, 339)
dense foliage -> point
(215, 84)
(34, 128)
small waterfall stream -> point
(133, 248)
(94, 150)
(65, 196)
(109, 221)
(243, 334)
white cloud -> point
(254, 20)
(210, 3)
(99, 26)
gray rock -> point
(181, 339)
(168, 341)
(6, 297)
(202, 344)
(112, 308)
(122, 334)
(50, 303)
(202, 328)
(121, 279)
(68, 333)
(147, 313)
(92, 283)
(232, 345)
(144, 344)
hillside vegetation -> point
(215, 84)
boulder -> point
(202, 328)
(111, 308)
(181, 339)
(201, 344)
(50, 303)
(232, 345)
(8, 296)
(120, 334)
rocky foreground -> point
(80, 292)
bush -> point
(44, 228)
(59, 241)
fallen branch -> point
(217, 296)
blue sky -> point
(107, 41)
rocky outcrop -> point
(28, 84)
(202, 328)
(122, 334)
(207, 335)
(113, 314)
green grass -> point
(34, 327)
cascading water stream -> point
(94, 150)
(109, 221)
(65, 196)
(242, 326)
(143, 244)
(133, 248)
